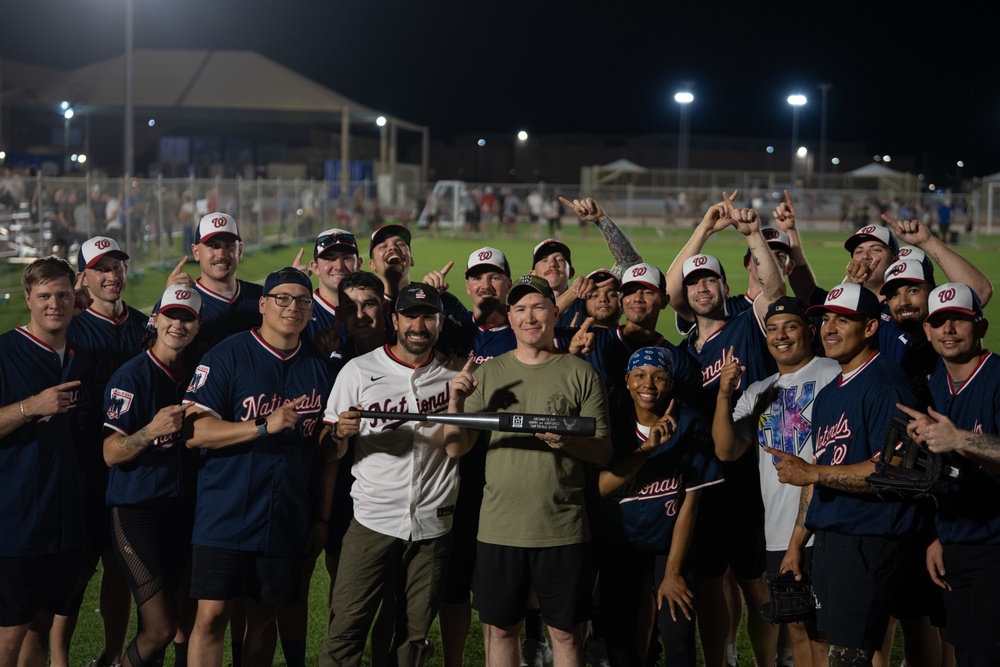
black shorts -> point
(50, 582)
(152, 543)
(774, 559)
(918, 596)
(224, 574)
(563, 579)
(729, 532)
(855, 581)
(973, 603)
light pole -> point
(796, 101)
(67, 114)
(683, 98)
(128, 165)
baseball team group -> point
(208, 453)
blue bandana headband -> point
(660, 357)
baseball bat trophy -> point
(511, 422)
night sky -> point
(922, 84)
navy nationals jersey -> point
(324, 316)
(967, 512)
(254, 496)
(41, 506)
(850, 419)
(133, 396)
(108, 344)
(745, 334)
(577, 309)
(222, 317)
(644, 510)
(893, 342)
(612, 349)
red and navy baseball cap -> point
(387, 231)
(215, 224)
(529, 283)
(335, 239)
(954, 298)
(776, 240)
(699, 263)
(487, 259)
(879, 233)
(418, 295)
(643, 275)
(286, 276)
(603, 275)
(547, 247)
(905, 271)
(92, 250)
(181, 297)
(849, 299)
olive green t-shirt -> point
(534, 494)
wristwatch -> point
(261, 424)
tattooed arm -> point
(625, 254)
(120, 448)
(851, 478)
(792, 562)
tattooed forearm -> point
(986, 445)
(845, 481)
(620, 245)
(805, 497)
(135, 441)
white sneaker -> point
(596, 653)
(535, 653)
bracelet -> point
(643, 452)
(25, 417)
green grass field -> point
(825, 251)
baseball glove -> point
(791, 600)
(905, 467)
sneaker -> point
(535, 653)
(595, 652)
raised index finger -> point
(468, 365)
(777, 452)
(788, 201)
(586, 325)
(180, 264)
(67, 385)
(447, 268)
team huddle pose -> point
(210, 452)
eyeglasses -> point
(340, 238)
(285, 300)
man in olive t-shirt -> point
(533, 528)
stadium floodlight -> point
(683, 98)
(380, 121)
(796, 101)
(522, 136)
(802, 152)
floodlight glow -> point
(73, 157)
(684, 97)
(802, 152)
(886, 158)
(81, 158)
(960, 163)
(932, 187)
(835, 160)
(522, 136)
(770, 149)
(380, 121)
(64, 105)
(796, 100)
(3, 155)
(481, 142)
(152, 122)
(68, 114)
(877, 158)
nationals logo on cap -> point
(92, 250)
(905, 271)
(872, 233)
(487, 259)
(644, 275)
(954, 298)
(701, 263)
(214, 224)
(849, 299)
(183, 297)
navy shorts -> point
(856, 580)
(563, 579)
(224, 574)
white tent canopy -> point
(874, 170)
